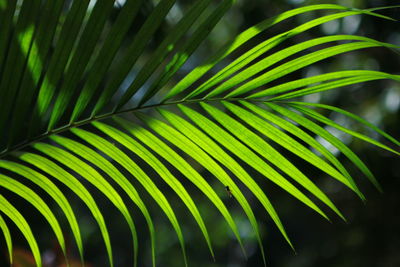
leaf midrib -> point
(86, 121)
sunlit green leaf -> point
(71, 182)
(7, 237)
(8, 209)
(122, 159)
(33, 198)
(53, 191)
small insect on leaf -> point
(228, 190)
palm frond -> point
(108, 110)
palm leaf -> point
(9, 210)
(7, 236)
(75, 66)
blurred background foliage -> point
(372, 235)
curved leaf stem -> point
(111, 114)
